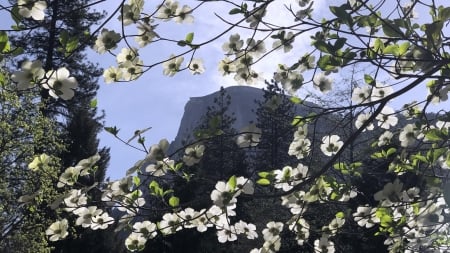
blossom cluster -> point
(58, 82)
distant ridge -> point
(242, 105)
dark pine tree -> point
(222, 159)
(79, 123)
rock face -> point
(242, 102)
(242, 105)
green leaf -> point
(4, 43)
(391, 30)
(392, 49)
(15, 14)
(322, 46)
(235, 11)
(378, 45)
(340, 215)
(341, 13)
(297, 120)
(17, 51)
(447, 160)
(93, 103)
(263, 174)
(403, 48)
(339, 43)
(433, 32)
(444, 13)
(154, 187)
(295, 100)
(71, 45)
(112, 130)
(2, 79)
(174, 201)
(391, 151)
(434, 135)
(136, 180)
(340, 166)
(189, 38)
(263, 181)
(328, 63)
(369, 80)
(63, 37)
(232, 182)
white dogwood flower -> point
(331, 145)
(32, 8)
(107, 40)
(58, 230)
(60, 83)
(30, 74)
(322, 82)
(171, 67)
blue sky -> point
(158, 101)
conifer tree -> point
(61, 40)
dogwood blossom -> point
(234, 45)
(226, 234)
(145, 34)
(361, 119)
(101, 221)
(380, 92)
(183, 15)
(301, 229)
(167, 10)
(127, 55)
(160, 168)
(107, 40)
(85, 215)
(223, 195)
(331, 145)
(300, 148)
(146, 228)
(158, 151)
(408, 135)
(385, 138)
(192, 155)
(245, 228)
(112, 74)
(69, 176)
(322, 82)
(130, 14)
(361, 94)
(31, 73)
(324, 245)
(131, 70)
(196, 66)
(365, 216)
(249, 137)
(58, 230)
(387, 118)
(391, 192)
(135, 242)
(170, 223)
(75, 199)
(226, 66)
(284, 40)
(60, 83)
(256, 48)
(171, 67)
(32, 8)
(39, 162)
(272, 230)
(256, 17)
